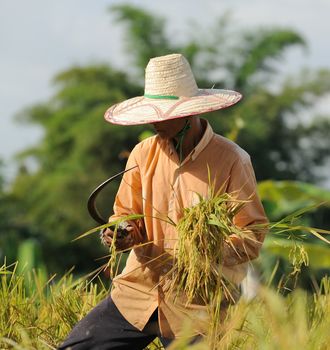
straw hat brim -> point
(144, 110)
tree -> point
(78, 150)
(11, 232)
(267, 122)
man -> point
(168, 173)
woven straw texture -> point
(170, 92)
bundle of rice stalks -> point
(202, 233)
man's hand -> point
(124, 239)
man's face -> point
(168, 129)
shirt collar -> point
(204, 141)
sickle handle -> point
(91, 203)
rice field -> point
(35, 316)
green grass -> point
(37, 316)
(40, 316)
(271, 321)
(34, 315)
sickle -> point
(91, 203)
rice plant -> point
(41, 318)
(38, 314)
(269, 321)
(202, 233)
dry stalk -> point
(198, 256)
(202, 232)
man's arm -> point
(242, 182)
(128, 201)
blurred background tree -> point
(275, 123)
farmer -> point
(168, 173)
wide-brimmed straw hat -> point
(170, 92)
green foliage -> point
(10, 230)
(282, 197)
(248, 62)
(257, 53)
(79, 150)
(318, 255)
(271, 321)
(42, 320)
(145, 35)
(31, 263)
(283, 146)
(46, 202)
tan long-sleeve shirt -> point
(160, 187)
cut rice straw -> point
(202, 232)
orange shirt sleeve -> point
(243, 183)
(128, 200)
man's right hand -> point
(124, 239)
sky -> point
(39, 38)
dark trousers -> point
(105, 328)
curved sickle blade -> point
(91, 203)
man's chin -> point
(162, 135)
